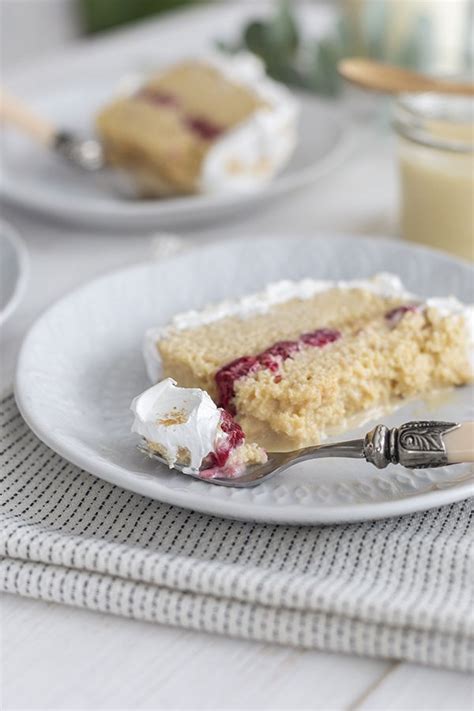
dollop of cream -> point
(248, 156)
(177, 419)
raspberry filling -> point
(270, 359)
(235, 437)
(394, 316)
(155, 96)
(226, 377)
(205, 129)
(208, 130)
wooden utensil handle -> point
(391, 79)
(17, 113)
(460, 443)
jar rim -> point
(414, 115)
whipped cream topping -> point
(178, 419)
(249, 155)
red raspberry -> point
(154, 96)
(204, 128)
(236, 437)
(272, 358)
(321, 337)
(226, 377)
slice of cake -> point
(184, 426)
(304, 359)
(213, 124)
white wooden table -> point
(55, 657)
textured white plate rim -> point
(437, 496)
(23, 269)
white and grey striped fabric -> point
(398, 588)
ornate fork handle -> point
(415, 445)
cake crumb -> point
(175, 417)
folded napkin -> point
(399, 588)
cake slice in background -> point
(213, 124)
(304, 359)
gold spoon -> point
(390, 79)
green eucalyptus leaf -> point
(375, 22)
(282, 30)
(324, 70)
(255, 38)
(416, 51)
(228, 47)
(287, 74)
(345, 36)
(99, 15)
(307, 65)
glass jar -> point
(436, 161)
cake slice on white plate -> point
(216, 123)
(302, 360)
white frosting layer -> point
(249, 155)
(383, 284)
(199, 433)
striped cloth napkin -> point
(399, 588)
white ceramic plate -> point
(81, 364)
(36, 179)
(13, 270)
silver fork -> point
(85, 153)
(413, 445)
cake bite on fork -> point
(183, 428)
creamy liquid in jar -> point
(436, 160)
